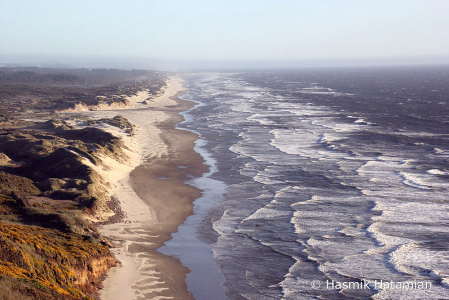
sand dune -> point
(151, 190)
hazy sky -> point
(225, 29)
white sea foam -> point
(356, 209)
(267, 212)
(293, 286)
(437, 172)
(329, 123)
(296, 142)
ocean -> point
(324, 183)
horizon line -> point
(19, 60)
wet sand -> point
(156, 200)
(160, 183)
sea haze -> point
(330, 174)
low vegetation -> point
(50, 192)
(52, 262)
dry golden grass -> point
(48, 258)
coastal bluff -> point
(52, 190)
(50, 201)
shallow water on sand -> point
(194, 253)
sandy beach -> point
(152, 193)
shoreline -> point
(148, 187)
(191, 246)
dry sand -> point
(152, 193)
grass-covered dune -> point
(51, 196)
(49, 246)
(44, 263)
